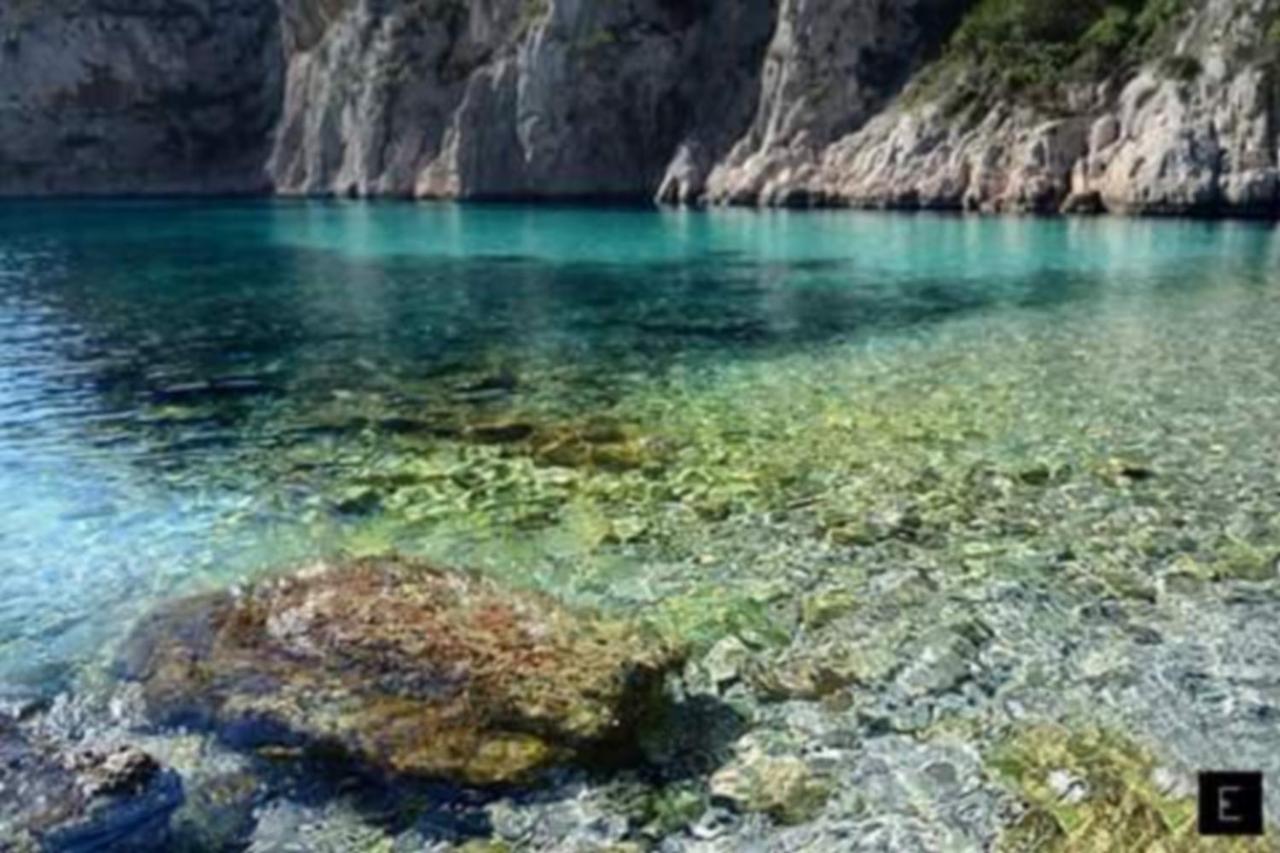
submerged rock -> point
(598, 444)
(781, 786)
(55, 798)
(501, 432)
(404, 668)
(1242, 561)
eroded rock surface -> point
(137, 96)
(1192, 130)
(404, 668)
(55, 797)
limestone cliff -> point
(1169, 106)
(136, 96)
(1195, 128)
(510, 97)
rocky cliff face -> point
(715, 98)
(136, 96)
(510, 97)
(1194, 130)
(831, 65)
(860, 102)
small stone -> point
(484, 845)
(783, 787)
(124, 770)
(1239, 560)
(825, 607)
(494, 386)
(872, 528)
(1068, 788)
(812, 674)
(1186, 575)
(1144, 635)
(725, 662)
(944, 659)
(942, 774)
(624, 530)
(714, 823)
(1130, 584)
(418, 427)
(358, 500)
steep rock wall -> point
(136, 96)
(832, 64)
(509, 97)
(791, 102)
(1200, 135)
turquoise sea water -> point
(191, 393)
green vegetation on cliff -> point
(1028, 49)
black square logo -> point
(1230, 803)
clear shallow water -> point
(190, 394)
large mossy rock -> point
(403, 668)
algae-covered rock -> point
(781, 786)
(500, 432)
(668, 810)
(804, 673)
(1093, 790)
(830, 661)
(61, 799)
(597, 443)
(706, 616)
(402, 667)
(1128, 583)
(825, 607)
(725, 662)
(1242, 561)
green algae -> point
(783, 787)
(1094, 789)
(702, 618)
(823, 608)
(1238, 560)
(668, 809)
